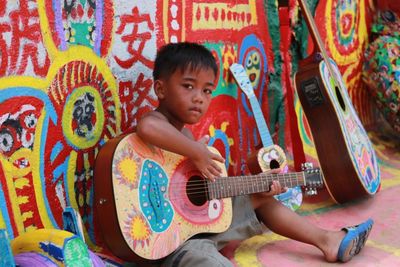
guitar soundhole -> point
(340, 98)
(274, 164)
(196, 190)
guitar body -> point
(266, 159)
(345, 153)
(143, 205)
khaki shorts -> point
(203, 249)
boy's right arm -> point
(155, 130)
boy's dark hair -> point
(182, 55)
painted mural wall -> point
(77, 73)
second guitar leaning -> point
(345, 153)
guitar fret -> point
(214, 190)
(264, 185)
(234, 189)
(219, 193)
(223, 188)
(253, 185)
(210, 191)
(241, 190)
(249, 184)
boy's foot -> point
(354, 240)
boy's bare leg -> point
(285, 222)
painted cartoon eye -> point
(249, 62)
(6, 141)
(266, 158)
(78, 111)
(255, 58)
(214, 208)
(30, 121)
(27, 138)
(89, 109)
(274, 154)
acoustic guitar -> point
(270, 156)
(149, 201)
(346, 156)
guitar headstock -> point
(242, 79)
(312, 178)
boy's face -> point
(185, 96)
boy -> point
(184, 79)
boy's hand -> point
(204, 160)
(259, 199)
(275, 188)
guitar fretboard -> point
(224, 187)
(262, 126)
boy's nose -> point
(198, 96)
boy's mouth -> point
(195, 110)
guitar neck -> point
(315, 35)
(232, 186)
(261, 125)
(240, 75)
(313, 28)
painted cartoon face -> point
(79, 23)
(17, 131)
(185, 96)
(253, 67)
(83, 115)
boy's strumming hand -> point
(204, 160)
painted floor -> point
(382, 247)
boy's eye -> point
(208, 91)
(188, 86)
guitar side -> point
(345, 153)
(143, 205)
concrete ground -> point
(382, 247)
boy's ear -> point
(159, 89)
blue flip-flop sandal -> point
(354, 240)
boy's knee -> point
(197, 253)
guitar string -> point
(229, 188)
(217, 195)
(201, 187)
(228, 181)
(283, 177)
(205, 191)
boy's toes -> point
(354, 240)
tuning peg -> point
(311, 192)
(306, 166)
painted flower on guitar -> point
(136, 230)
(126, 167)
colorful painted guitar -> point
(149, 201)
(344, 150)
(270, 156)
